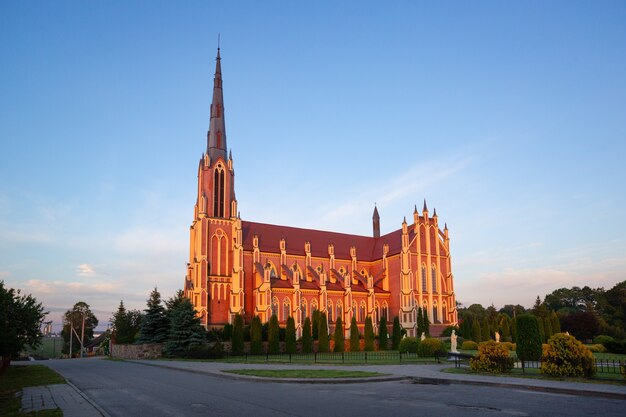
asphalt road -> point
(129, 389)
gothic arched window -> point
(275, 307)
(218, 192)
(433, 273)
(424, 283)
(339, 310)
(286, 309)
(329, 309)
(302, 310)
(362, 311)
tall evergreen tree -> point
(273, 337)
(425, 322)
(556, 324)
(547, 327)
(185, 330)
(466, 328)
(528, 337)
(315, 324)
(355, 345)
(397, 334)
(484, 327)
(290, 336)
(125, 324)
(307, 337)
(155, 326)
(420, 322)
(382, 333)
(369, 334)
(237, 343)
(476, 331)
(542, 332)
(323, 344)
(506, 330)
(339, 336)
(256, 336)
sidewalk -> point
(427, 374)
(67, 397)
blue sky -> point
(509, 118)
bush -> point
(354, 336)
(369, 335)
(508, 345)
(596, 348)
(273, 338)
(307, 338)
(492, 357)
(469, 345)
(409, 345)
(339, 336)
(237, 346)
(323, 344)
(256, 336)
(566, 356)
(602, 339)
(447, 332)
(528, 338)
(290, 336)
(397, 334)
(382, 334)
(622, 367)
(616, 347)
(227, 333)
(429, 346)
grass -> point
(534, 373)
(50, 348)
(15, 379)
(303, 373)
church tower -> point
(209, 271)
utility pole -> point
(82, 336)
(71, 331)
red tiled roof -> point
(306, 285)
(356, 288)
(334, 286)
(367, 248)
(280, 283)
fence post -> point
(342, 359)
(365, 357)
(314, 357)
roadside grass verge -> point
(534, 373)
(15, 379)
(303, 373)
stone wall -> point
(145, 351)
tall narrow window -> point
(329, 309)
(286, 309)
(275, 307)
(340, 310)
(218, 192)
(433, 273)
(424, 283)
(303, 310)
(362, 311)
(435, 318)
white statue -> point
(497, 337)
(423, 336)
(453, 342)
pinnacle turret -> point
(216, 137)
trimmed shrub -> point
(290, 336)
(323, 344)
(355, 345)
(369, 335)
(397, 334)
(237, 345)
(476, 331)
(602, 339)
(528, 338)
(596, 348)
(256, 336)
(566, 356)
(492, 357)
(339, 336)
(447, 332)
(382, 334)
(273, 337)
(556, 324)
(469, 345)
(508, 345)
(307, 338)
(616, 347)
(227, 333)
(429, 346)
(409, 345)
(315, 324)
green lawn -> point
(303, 373)
(17, 377)
(534, 373)
(50, 348)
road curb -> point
(89, 400)
(226, 375)
(554, 390)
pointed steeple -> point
(425, 208)
(435, 212)
(415, 209)
(376, 222)
(216, 137)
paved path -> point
(428, 374)
(64, 396)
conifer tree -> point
(126, 324)
(369, 334)
(547, 327)
(315, 324)
(506, 330)
(476, 331)
(339, 336)
(273, 337)
(355, 345)
(542, 332)
(484, 327)
(397, 334)
(290, 336)
(307, 338)
(155, 326)
(527, 337)
(237, 343)
(466, 328)
(185, 330)
(420, 322)
(425, 322)
(556, 324)
(256, 336)
(382, 334)
(323, 344)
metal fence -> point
(340, 357)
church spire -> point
(216, 137)
(376, 222)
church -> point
(243, 267)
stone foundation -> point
(145, 351)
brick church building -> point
(239, 266)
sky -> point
(509, 118)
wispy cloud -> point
(85, 270)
